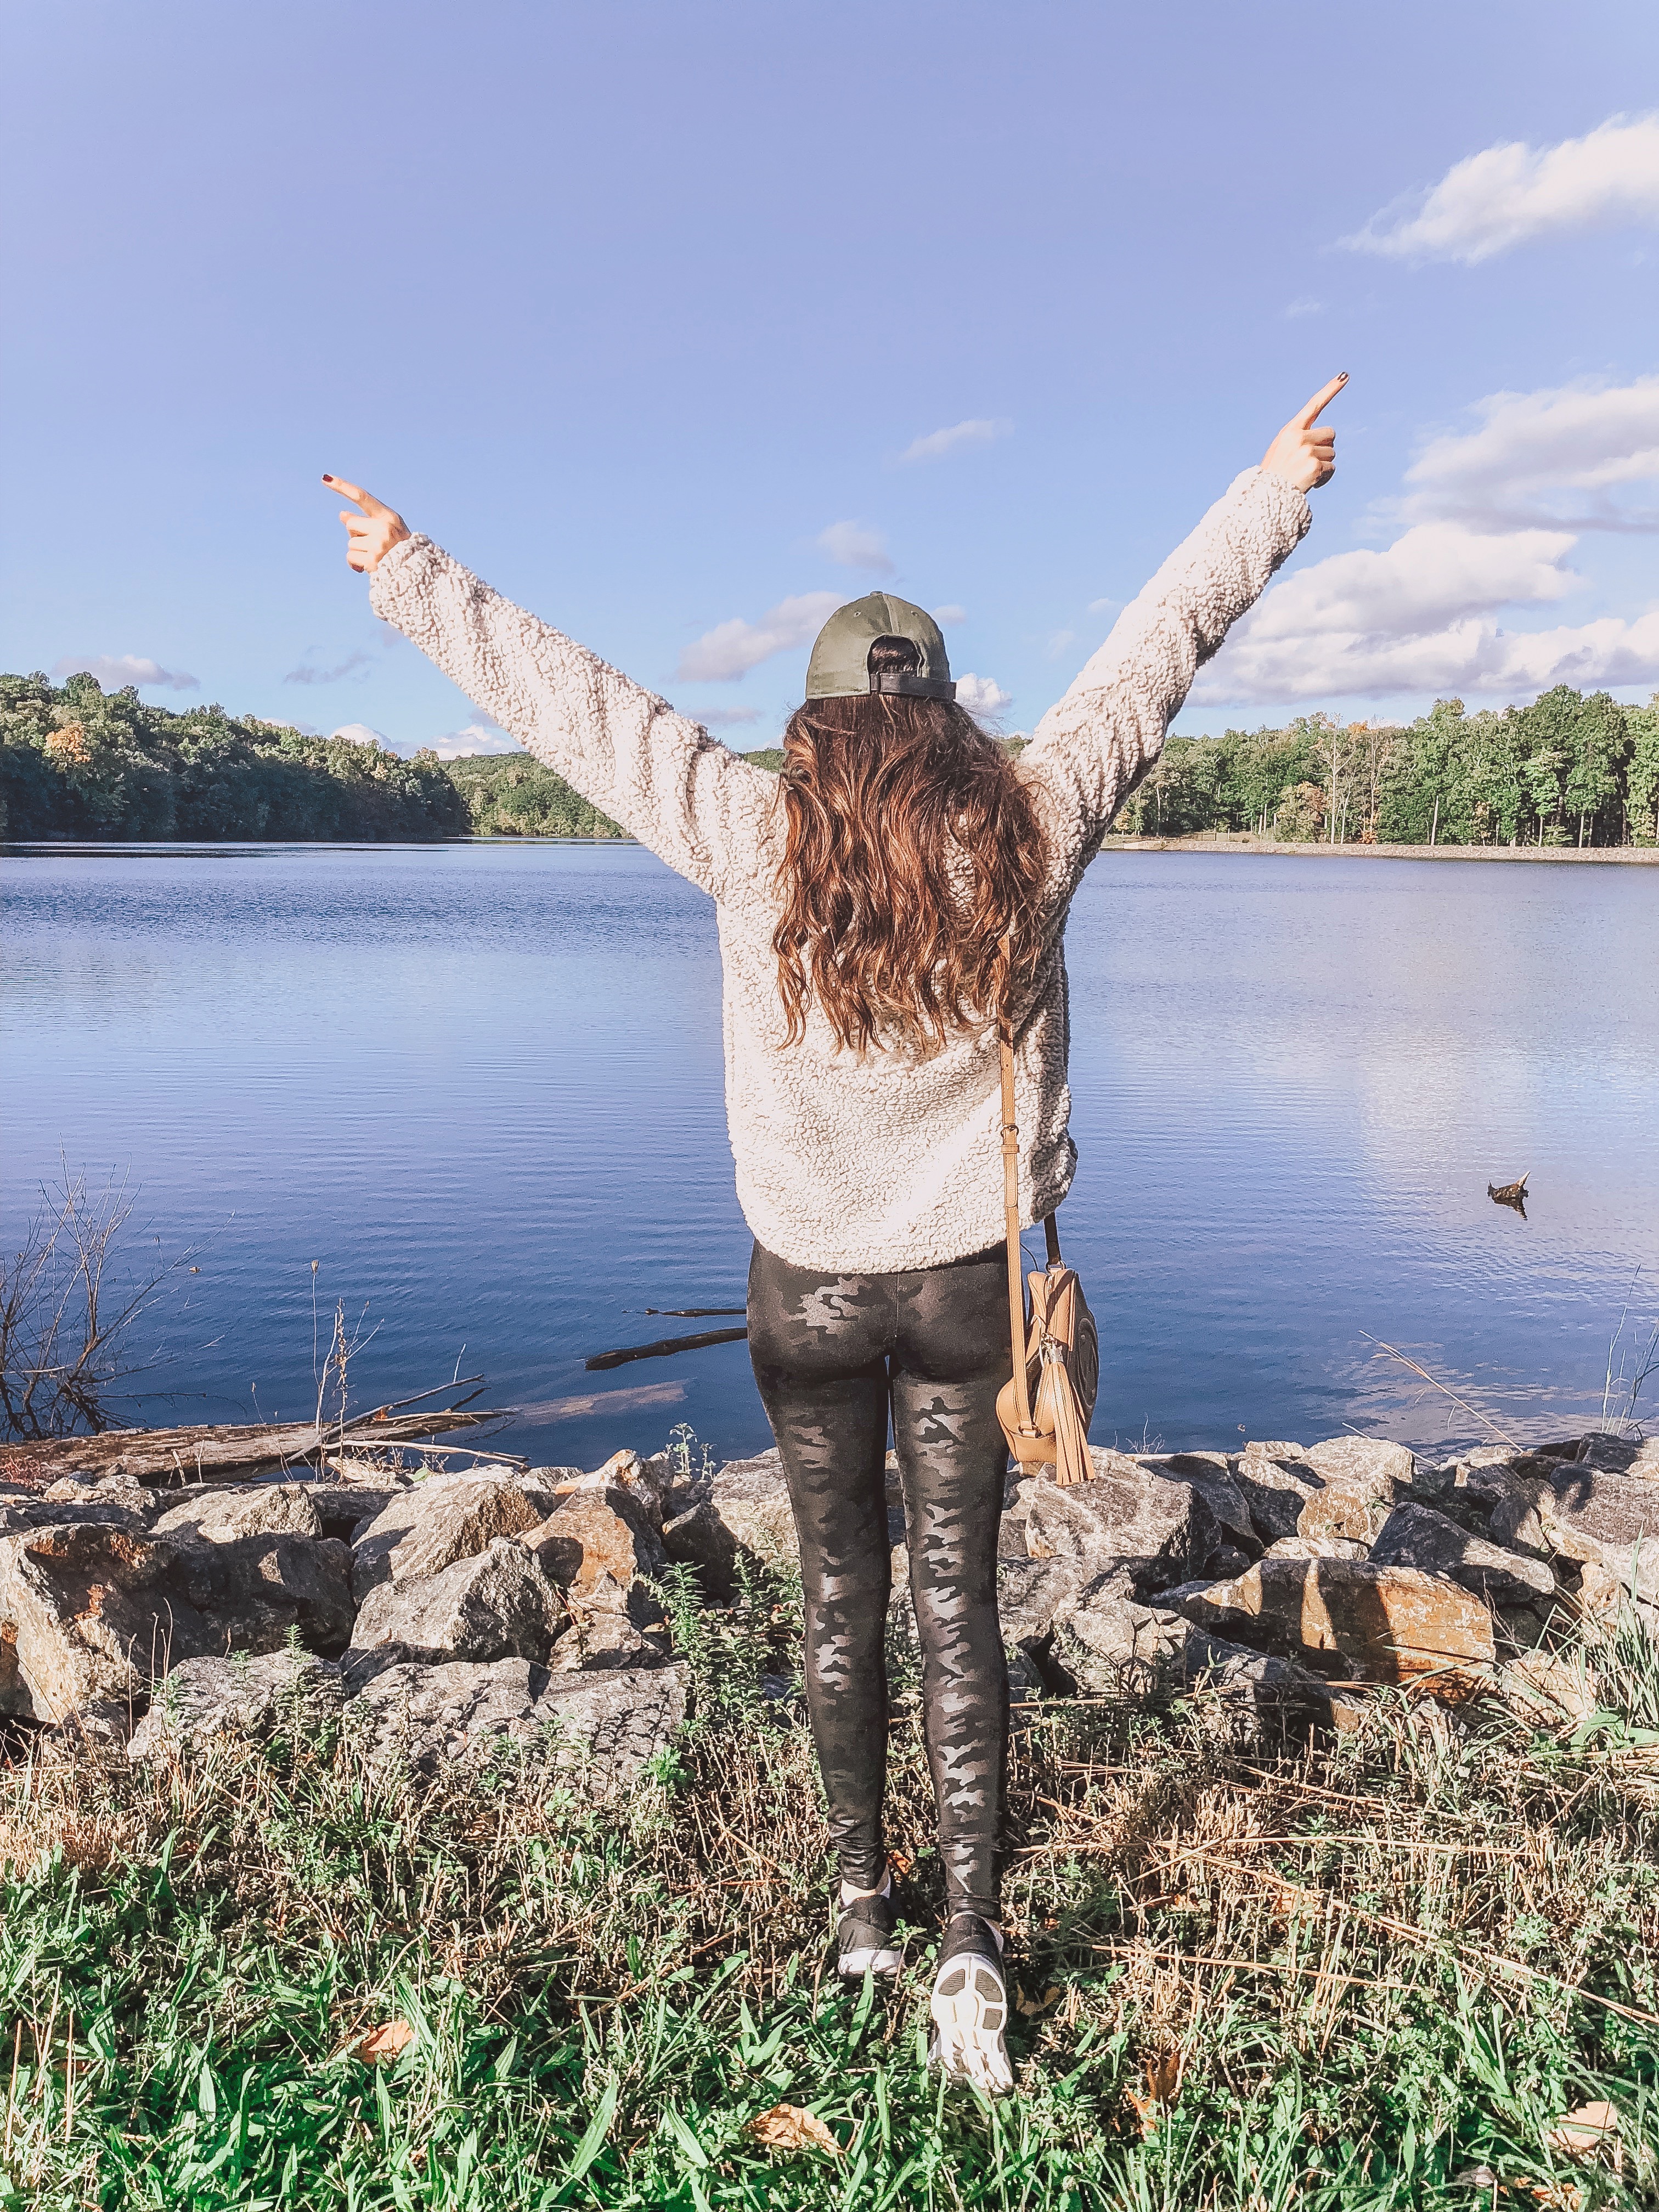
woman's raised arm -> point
(1094, 745)
(662, 778)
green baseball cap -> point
(840, 666)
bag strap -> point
(1011, 1214)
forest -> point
(1570, 770)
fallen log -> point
(666, 1345)
(186, 1454)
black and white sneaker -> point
(971, 2008)
(864, 1935)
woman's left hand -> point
(371, 535)
(1304, 452)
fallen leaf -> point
(384, 2043)
(1583, 2132)
(787, 2127)
(1032, 2006)
(1163, 2087)
(900, 1865)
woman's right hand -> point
(371, 535)
(1302, 453)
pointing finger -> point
(366, 500)
(1320, 400)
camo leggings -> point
(830, 1353)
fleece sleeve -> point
(1093, 746)
(662, 779)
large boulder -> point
(745, 1516)
(446, 1518)
(254, 1509)
(597, 1547)
(1111, 1640)
(1610, 1520)
(1418, 1536)
(1211, 1475)
(1371, 1623)
(97, 1614)
(256, 1590)
(603, 1727)
(494, 1604)
(1275, 1480)
(205, 1701)
(1162, 1528)
(1369, 1463)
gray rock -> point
(1608, 1520)
(1211, 1475)
(121, 1490)
(255, 1590)
(203, 1701)
(444, 1519)
(1366, 1461)
(1163, 1529)
(1032, 1595)
(599, 1545)
(1113, 1641)
(1376, 1624)
(255, 1509)
(1316, 1547)
(745, 1515)
(700, 1539)
(605, 1638)
(602, 1727)
(1275, 1488)
(96, 1612)
(494, 1604)
(1417, 1536)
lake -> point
(479, 1086)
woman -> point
(901, 886)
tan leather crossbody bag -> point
(1046, 1408)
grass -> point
(1369, 1971)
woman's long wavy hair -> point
(913, 851)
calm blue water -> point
(481, 1087)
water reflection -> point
(483, 1086)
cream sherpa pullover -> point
(891, 1161)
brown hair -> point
(913, 848)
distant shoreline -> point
(1210, 841)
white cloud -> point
(1512, 194)
(982, 695)
(855, 547)
(303, 674)
(359, 733)
(1304, 306)
(1103, 606)
(728, 717)
(1057, 641)
(938, 443)
(115, 671)
(948, 616)
(730, 649)
(1553, 455)
(1493, 515)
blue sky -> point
(681, 325)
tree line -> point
(1568, 769)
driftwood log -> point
(666, 1346)
(164, 1455)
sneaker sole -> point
(970, 2010)
(856, 1965)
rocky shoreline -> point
(432, 1620)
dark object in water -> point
(664, 1346)
(1510, 1193)
(695, 1312)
